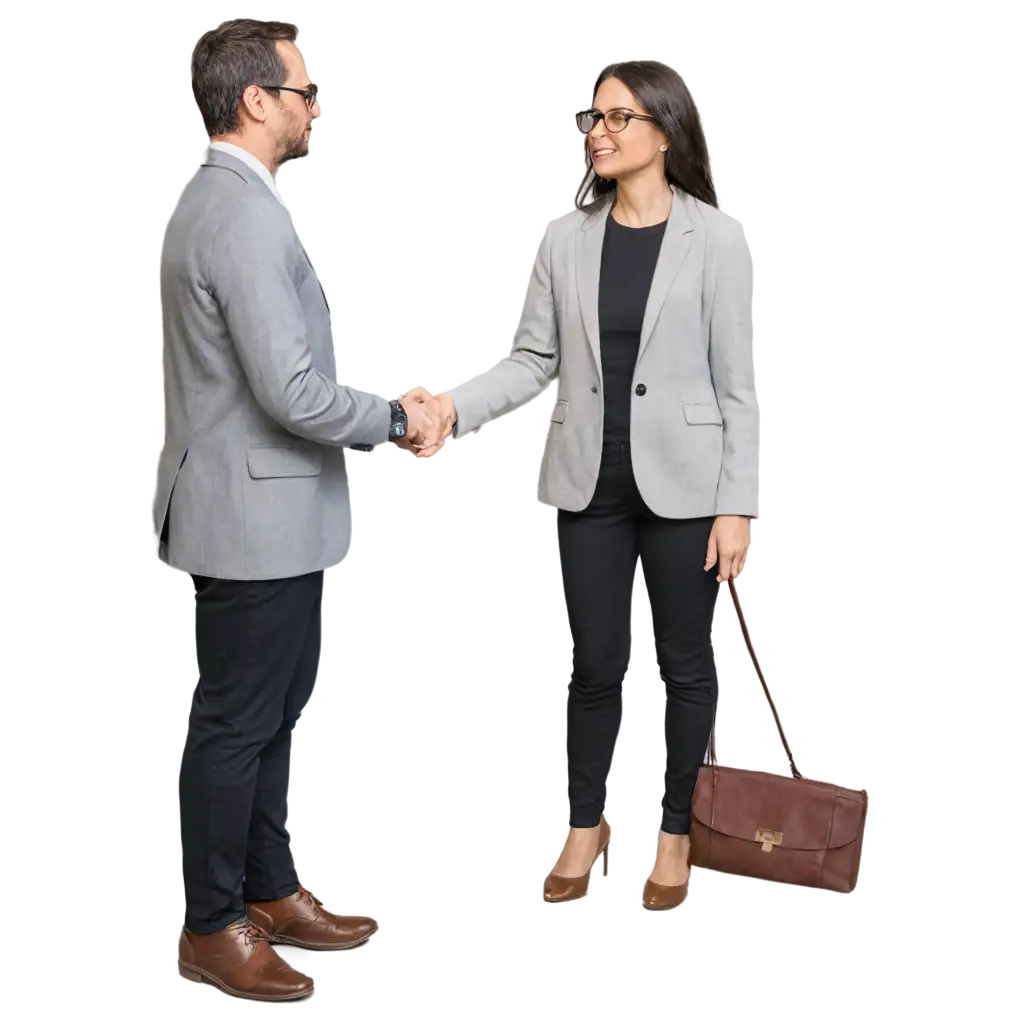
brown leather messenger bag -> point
(783, 829)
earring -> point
(663, 148)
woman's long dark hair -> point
(666, 98)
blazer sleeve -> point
(732, 374)
(251, 276)
(531, 365)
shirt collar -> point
(251, 162)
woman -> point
(639, 304)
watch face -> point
(398, 430)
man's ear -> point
(254, 101)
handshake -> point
(431, 418)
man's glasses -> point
(614, 120)
(308, 94)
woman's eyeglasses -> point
(615, 120)
(308, 94)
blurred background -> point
(879, 161)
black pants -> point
(599, 549)
(258, 645)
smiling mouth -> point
(600, 154)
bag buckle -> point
(767, 838)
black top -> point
(628, 259)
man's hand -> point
(441, 409)
(425, 429)
(727, 545)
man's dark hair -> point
(230, 58)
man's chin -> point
(297, 153)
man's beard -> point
(295, 146)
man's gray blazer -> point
(255, 423)
(693, 416)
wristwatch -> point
(399, 421)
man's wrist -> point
(399, 421)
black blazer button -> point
(641, 390)
(594, 390)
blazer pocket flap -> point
(558, 414)
(701, 412)
(284, 460)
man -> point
(252, 501)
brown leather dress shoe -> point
(300, 920)
(239, 961)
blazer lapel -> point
(674, 246)
(315, 274)
(589, 242)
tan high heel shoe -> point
(559, 889)
(664, 897)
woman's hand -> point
(443, 407)
(727, 545)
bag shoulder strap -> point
(761, 681)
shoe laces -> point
(252, 933)
(306, 896)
